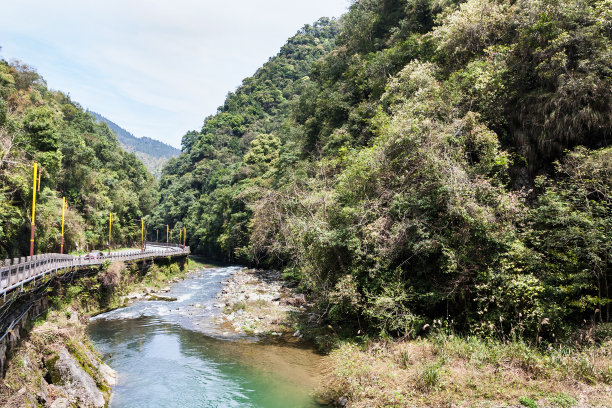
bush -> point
(111, 277)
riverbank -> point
(441, 370)
(450, 371)
(55, 364)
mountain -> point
(153, 153)
(419, 159)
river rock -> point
(41, 395)
(75, 382)
(74, 316)
(161, 298)
(109, 375)
(61, 403)
(297, 300)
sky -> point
(157, 68)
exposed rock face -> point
(109, 375)
(75, 382)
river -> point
(172, 354)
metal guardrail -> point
(19, 271)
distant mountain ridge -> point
(152, 152)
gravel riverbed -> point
(258, 302)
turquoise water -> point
(170, 354)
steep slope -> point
(444, 161)
(153, 153)
(80, 159)
(199, 186)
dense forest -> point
(153, 153)
(79, 158)
(420, 161)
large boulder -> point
(74, 381)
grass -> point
(528, 402)
(445, 370)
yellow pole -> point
(184, 237)
(142, 234)
(33, 212)
(110, 228)
(157, 236)
(167, 232)
(63, 210)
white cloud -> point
(156, 67)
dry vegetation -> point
(451, 371)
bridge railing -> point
(19, 271)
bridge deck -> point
(23, 270)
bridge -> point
(23, 284)
(21, 271)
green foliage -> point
(420, 160)
(563, 400)
(528, 402)
(79, 159)
(3, 112)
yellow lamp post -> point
(33, 212)
(38, 185)
(142, 234)
(63, 210)
(110, 228)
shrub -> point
(528, 402)
(430, 377)
(111, 277)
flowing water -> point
(171, 354)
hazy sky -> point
(155, 67)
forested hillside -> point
(80, 159)
(420, 161)
(201, 186)
(153, 153)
